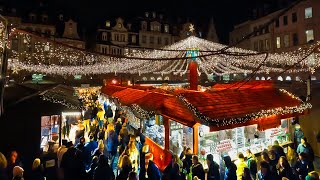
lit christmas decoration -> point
(15, 70)
(49, 57)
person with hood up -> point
(103, 171)
(37, 173)
(213, 168)
(197, 168)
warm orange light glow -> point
(114, 81)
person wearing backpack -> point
(252, 164)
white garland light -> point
(53, 58)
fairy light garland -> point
(231, 121)
(49, 57)
(62, 102)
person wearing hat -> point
(213, 168)
(17, 173)
(152, 170)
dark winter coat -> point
(231, 172)
(197, 170)
(37, 174)
(301, 168)
(153, 171)
(124, 172)
(187, 162)
(103, 173)
(279, 151)
(213, 172)
(287, 173)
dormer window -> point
(146, 14)
(154, 14)
(108, 24)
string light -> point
(54, 58)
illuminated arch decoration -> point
(288, 78)
(167, 78)
(269, 78)
(263, 78)
(298, 78)
(152, 78)
(144, 79)
(159, 78)
(280, 78)
(257, 78)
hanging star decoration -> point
(312, 70)
(15, 70)
(191, 28)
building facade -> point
(152, 31)
(297, 28)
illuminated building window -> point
(309, 35)
(278, 42)
(308, 13)
(107, 23)
(288, 78)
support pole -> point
(193, 75)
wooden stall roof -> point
(110, 89)
(223, 102)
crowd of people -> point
(114, 151)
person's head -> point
(209, 159)
(91, 138)
(304, 140)
(132, 176)
(195, 159)
(227, 161)
(100, 145)
(248, 153)
(64, 142)
(276, 143)
(272, 154)
(264, 167)
(102, 162)
(283, 162)
(17, 171)
(3, 161)
(95, 160)
(189, 151)
(69, 144)
(126, 161)
(13, 156)
(240, 156)
(246, 172)
(302, 156)
(175, 158)
(313, 175)
(82, 140)
(36, 164)
(265, 156)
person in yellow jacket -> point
(100, 117)
(241, 164)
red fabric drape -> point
(193, 78)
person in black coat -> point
(278, 150)
(301, 167)
(197, 168)
(103, 170)
(93, 166)
(231, 169)
(36, 173)
(172, 171)
(187, 161)
(213, 171)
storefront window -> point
(180, 136)
(232, 141)
(133, 121)
(49, 133)
(154, 129)
(72, 128)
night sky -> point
(90, 12)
